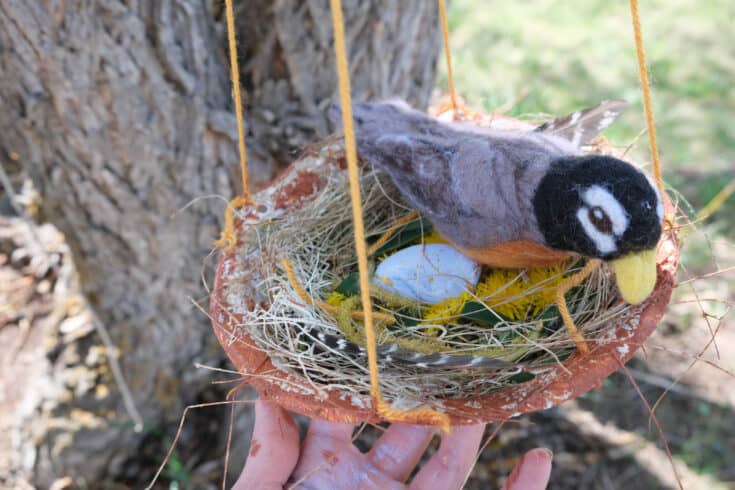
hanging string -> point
(448, 53)
(228, 238)
(382, 408)
(646, 89)
(237, 99)
(593, 264)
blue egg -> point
(428, 273)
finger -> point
(451, 464)
(331, 432)
(532, 472)
(329, 459)
(325, 445)
(400, 448)
(274, 449)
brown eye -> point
(601, 220)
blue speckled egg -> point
(428, 273)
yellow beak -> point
(636, 275)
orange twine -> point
(646, 89)
(448, 53)
(382, 408)
(237, 99)
(228, 238)
(561, 303)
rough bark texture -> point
(120, 110)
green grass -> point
(573, 54)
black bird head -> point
(602, 207)
(598, 206)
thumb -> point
(532, 471)
(274, 449)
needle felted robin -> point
(516, 200)
(521, 199)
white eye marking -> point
(602, 204)
(597, 196)
(605, 243)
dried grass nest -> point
(270, 331)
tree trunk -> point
(120, 110)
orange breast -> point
(519, 254)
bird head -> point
(602, 207)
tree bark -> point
(120, 110)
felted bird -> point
(521, 199)
(513, 199)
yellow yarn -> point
(446, 311)
(496, 289)
(433, 237)
(335, 299)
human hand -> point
(328, 459)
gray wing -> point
(415, 150)
(474, 186)
(583, 126)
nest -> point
(306, 218)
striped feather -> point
(392, 354)
(582, 126)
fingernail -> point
(548, 452)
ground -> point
(540, 56)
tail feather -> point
(583, 126)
